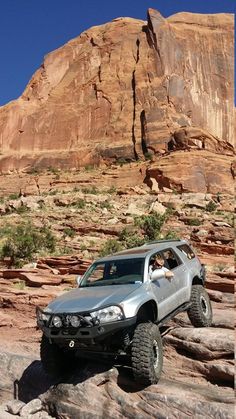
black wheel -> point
(200, 312)
(55, 361)
(147, 354)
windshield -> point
(114, 272)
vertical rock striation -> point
(123, 89)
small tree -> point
(24, 241)
(151, 224)
(111, 246)
(211, 206)
(131, 238)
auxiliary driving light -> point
(56, 321)
(75, 321)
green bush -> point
(89, 168)
(122, 160)
(111, 246)
(112, 190)
(93, 190)
(24, 241)
(80, 203)
(169, 235)
(53, 170)
(105, 204)
(211, 206)
(151, 225)
(70, 232)
(148, 155)
(193, 222)
(13, 196)
(22, 209)
(131, 238)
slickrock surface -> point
(125, 89)
(198, 370)
(197, 380)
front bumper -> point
(85, 333)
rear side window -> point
(187, 251)
(171, 259)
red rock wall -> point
(122, 89)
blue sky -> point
(29, 29)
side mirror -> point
(157, 274)
(78, 280)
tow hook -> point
(72, 344)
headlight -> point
(42, 315)
(108, 314)
(56, 321)
(75, 321)
(45, 316)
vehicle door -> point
(169, 291)
(179, 282)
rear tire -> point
(147, 354)
(200, 312)
(55, 361)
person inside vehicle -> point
(170, 261)
(158, 263)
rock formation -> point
(123, 90)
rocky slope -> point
(124, 90)
(198, 364)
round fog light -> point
(75, 321)
(56, 321)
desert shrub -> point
(22, 209)
(112, 190)
(83, 247)
(13, 196)
(131, 238)
(89, 168)
(70, 232)
(219, 267)
(151, 224)
(80, 203)
(53, 170)
(93, 190)
(53, 192)
(24, 241)
(111, 246)
(20, 285)
(169, 235)
(148, 155)
(122, 160)
(211, 206)
(105, 204)
(193, 222)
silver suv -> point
(120, 305)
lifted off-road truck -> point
(119, 306)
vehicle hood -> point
(91, 298)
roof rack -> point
(163, 241)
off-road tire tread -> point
(195, 313)
(143, 369)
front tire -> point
(147, 354)
(200, 312)
(55, 361)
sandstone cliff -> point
(125, 89)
